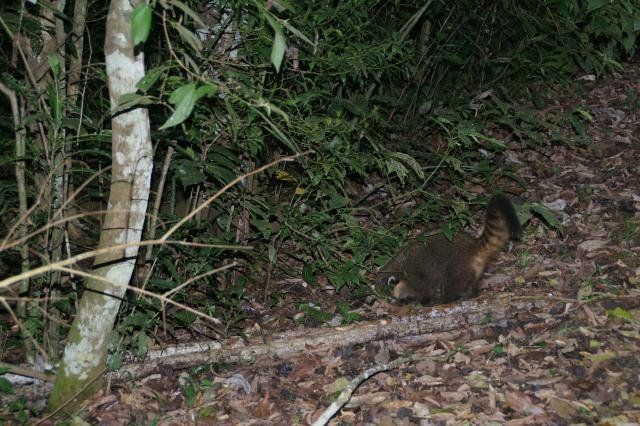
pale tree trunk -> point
(85, 353)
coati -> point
(432, 269)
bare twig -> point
(26, 332)
(345, 395)
(65, 262)
(160, 297)
(158, 201)
(27, 372)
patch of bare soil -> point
(576, 361)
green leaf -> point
(263, 226)
(595, 4)
(190, 38)
(54, 64)
(143, 348)
(138, 320)
(279, 43)
(548, 216)
(277, 52)
(5, 386)
(297, 33)
(189, 393)
(394, 166)
(150, 78)
(160, 284)
(141, 23)
(206, 90)
(55, 103)
(188, 173)
(114, 361)
(273, 254)
(181, 92)
(411, 162)
(347, 316)
(449, 231)
(184, 98)
(131, 100)
(618, 312)
(184, 317)
(315, 313)
(308, 274)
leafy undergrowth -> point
(577, 363)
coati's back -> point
(436, 270)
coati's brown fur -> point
(433, 270)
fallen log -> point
(427, 324)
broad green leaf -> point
(114, 361)
(278, 49)
(188, 173)
(315, 313)
(130, 100)
(206, 90)
(595, 4)
(150, 78)
(191, 153)
(619, 312)
(184, 98)
(6, 387)
(449, 231)
(55, 103)
(548, 216)
(411, 162)
(143, 348)
(160, 284)
(54, 64)
(141, 23)
(272, 253)
(181, 92)
(308, 274)
(184, 317)
(629, 42)
(394, 166)
(297, 33)
(137, 320)
(190, 38)
(264, 227)
(279, 43)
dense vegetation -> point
(401, 110)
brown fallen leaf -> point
(453, 396)
(522, 403)
(563, 408)
(265, 408)
(372, 398)
(591, 245)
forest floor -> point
(576, 363)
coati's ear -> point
(391, 280)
